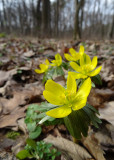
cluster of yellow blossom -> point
(44, 67)
(68, 99)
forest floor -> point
(20, 86)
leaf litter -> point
(20, 86)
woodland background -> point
(58, 18)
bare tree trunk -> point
(20, 19)
(77, 32)
(57, 17)
(5, 17)
(46, 17)
(111, 31)
(9, 18)
(38, 16)
(1, 22)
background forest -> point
(58, 18)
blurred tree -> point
(4, 15)
(79, 4)
(46, 17)
(92, 19)
(111, 30)
(37, 15)
(57, 17)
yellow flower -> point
(57, 61)
(43, 67)
(86, 68)
(74, 55)
(67, 99)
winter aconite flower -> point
(43, 67)
(58, 60)
(66, 99)
(74, 55)
(86, 68)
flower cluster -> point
(44, 67)
(73, 97)
(86, 67)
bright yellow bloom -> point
(86, 68)
(43, 67)
(67, 99)
(74, 55)
(57, 61)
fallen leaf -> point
(74, 150)
(107, 112)
(94, 148)
(29, 54)
(98, 97)
(22, 126)
(10, 120)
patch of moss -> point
(12, 134)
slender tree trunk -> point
(111, 31)
(46, 17)
(77, 32)
(5, 17)
(38, 12)
(57, 18)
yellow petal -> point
(87, 60)
(94, 62)
(54, 87)
(54, 99)
(81, 51)
(82, 60)
(59, 112)
(68, 57)
(82, 94)
(73, 52)
(71, 85)
(39, 71)
(75, 66)
(47, 61)
(58, 59)
(58, 56)
(84, 90)
(79, 103)
(53, 63)
(77, 75)
(95, 72)
(43, 66)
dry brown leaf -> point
(21, 97)
(97, 97)
(29, 54)
(22, 126)
(6, 78)
(74, 150)
(106, 141)
(94, 148)
(107, 72)
(107, 112)
(10, 120)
